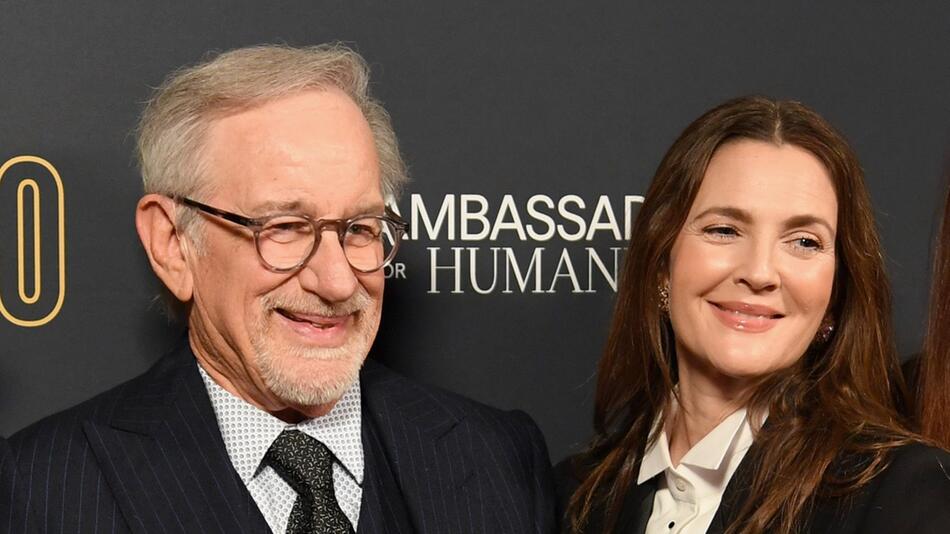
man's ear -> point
(155, 223)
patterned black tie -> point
(307, 465)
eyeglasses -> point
(285, 242)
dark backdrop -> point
(572, 101)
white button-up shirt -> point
(688, 495)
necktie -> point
(307, 465)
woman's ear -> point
(155, 223)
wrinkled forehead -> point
(311, 151)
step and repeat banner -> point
(531, 129)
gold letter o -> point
(61, 238)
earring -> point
(665, 298)
(825, 331)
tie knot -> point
(304, 462)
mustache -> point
(314, 305)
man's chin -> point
(312, 379)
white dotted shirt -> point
(688, 495)
(249, 431)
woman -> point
(746, 383)
(933, 375)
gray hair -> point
(171, 132)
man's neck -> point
(242, 385)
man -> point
(14, 511)
(267, 171)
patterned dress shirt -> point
(249, 431)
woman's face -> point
(752, 268)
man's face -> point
(294, 339)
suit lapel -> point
(163, 456)
(382, 508)
(429, 455)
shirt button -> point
(680, 485)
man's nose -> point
(757, 268)
(328, 273)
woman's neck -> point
(703, 404)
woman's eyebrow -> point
(727, 211)
(744, 216)
(808, 220)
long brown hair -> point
(933, 392)
(839, 397)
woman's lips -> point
(745, 317)
(320, 330)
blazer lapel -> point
(736, 493)
(637, 508)
(430, 461)
(162, 454)
(638, 503)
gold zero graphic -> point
(20, 252)
(34, 187)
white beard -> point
(311, 376)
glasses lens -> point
(285, 241)
(369, 242)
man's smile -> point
(322, 330)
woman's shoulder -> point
(913, 492)
(909, 495)
(920, 466)
(568, 475)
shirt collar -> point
(708, 453)
(248, 431)
(656, 459)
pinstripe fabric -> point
(148, 457)
(445, 464)
(14, 515)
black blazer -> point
(912, 495)
(148, 456)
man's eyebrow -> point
(277, 206)
(370, 208)
(296, 206)
(744, 216)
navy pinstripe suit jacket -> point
(13, 507)
(147, 456)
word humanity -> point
(541, 245)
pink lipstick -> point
(745, 317)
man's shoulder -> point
(438, 437)
(425, 402)
(101, 408)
